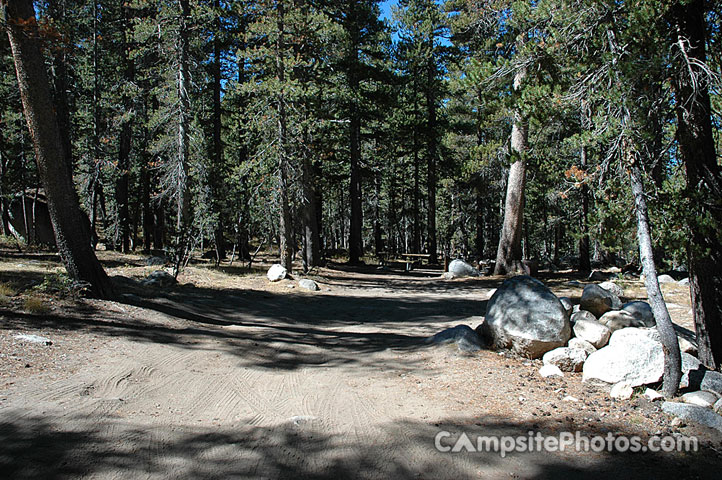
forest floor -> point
(228, 375)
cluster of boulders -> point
(608, 340)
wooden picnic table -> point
(412, 258)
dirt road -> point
(267, 381)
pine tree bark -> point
(584, 261)
(71, 231)
(125, 139)
(509, 253)
(311, 253)
(355, 240)
(667, 335)
(704, 177)
(217, 177)
(183, 200)
(286, 232)
(432, 152)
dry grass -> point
(6, 290)
(35, 305)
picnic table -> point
(413, 258)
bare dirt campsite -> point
(227, 375)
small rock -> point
(159, 278)
(156, 261)
(717, 407)
(694, 413)
(448, 275)
(701, 398)
(308, 284)
(677, 423)
(653, 395)
(550, 371)
(685, 346)
(466, 339)
(703, 379)
(569, 398)
(617, 319)
(665, 279)
(276, 272)
(690, 363)
(598, 301)
(592, 331)
(612, 287)
(642, 313)
(621, 391)
(33, 339)
(684, 282)
(582, 315)
(566, 358)
(581, 345)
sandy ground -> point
(228, 376)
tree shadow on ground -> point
(266, 329)
(73, 446)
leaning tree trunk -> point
(509, 253)
(704, 178)
(670, 345)
(71, 230)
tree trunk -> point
(126, 133)
(71, 231)
(704, 178)
(311, 254)
(509, 253)
(479, 243)
(183, 200)
(431, 153)
(584, 262)
(217, 152)
(286, 232)
(670, 345)
(355, 245)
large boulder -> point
(593, 332)
(462, 269)
(642, 313)
(665, 279)
(633, 355)
(465, 338)
(276, 272)
(524, 315)
(598, 301)
(582, 315)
